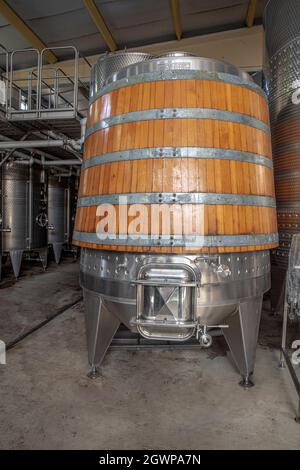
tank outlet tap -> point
(203, 337)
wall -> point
(242, 47)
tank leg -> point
(16, 258)
(297, 419)
(57, 250)
(43, 255)
(101, 326)
(76, 252)
(242, 335)
(284, 327)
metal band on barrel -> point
(180, 75)
(179, 113)
(173, 240)
(177, 198)
(178, 152)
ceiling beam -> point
(16, 21)
(252, 4)
(100, 23)
(175, 9)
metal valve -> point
(203, 337)
(205, 341)
(42, 219)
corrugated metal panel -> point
(30, 9)
(132, 22)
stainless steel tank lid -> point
(109, 58)
(117, 56)
(178, 62)
(111, 63)
(107, 55)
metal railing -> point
(4, 77)
(47, 92)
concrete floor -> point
(36, 297)
(145, 399)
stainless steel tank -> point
(58, 203)
(24, 217)
(111, 63)
(72, 204)
(174, 296)
(282, 70)
(1, 224)
(61, 208)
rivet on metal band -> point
(177, 198)
(178, 152)
(180, 75)
(173, 240)
(179, 113)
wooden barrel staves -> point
(177, 159)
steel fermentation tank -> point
(72, 204)
(24, 218)
(282, 70)
(171, 296)
(73, 194)
(58, 203)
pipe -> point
(23, 155)
(73, 146)
(63, 175)
(31, 160)
(53, 163)
(9, 154)
(77, 144)
(61, 163)
(83, 122)
(26, 158)
(69, 144)
(32, 144)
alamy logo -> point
(296, 354)
(296, 93)
(2, 353)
